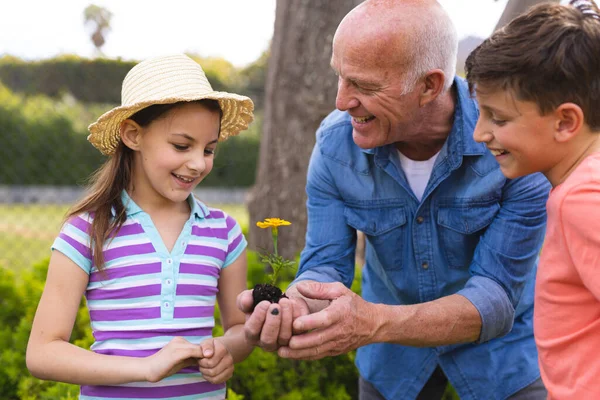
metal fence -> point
(31, 216)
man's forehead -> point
(377, 52)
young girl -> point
(149, 257)
(537, 82)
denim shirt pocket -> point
(384, 228)
(459, 230)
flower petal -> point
(272, 222)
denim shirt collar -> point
(460, 140)
(199, 210)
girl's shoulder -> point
(82, 221)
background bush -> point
(44, 143)
(262, 376)
(99, 80)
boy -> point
(537, 82)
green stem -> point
(274, 234)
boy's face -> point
(515, 132)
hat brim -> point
(237, 116)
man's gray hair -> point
(433, 46)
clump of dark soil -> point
(265, 291)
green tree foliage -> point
(236, 159)
(99, 80)
(41, 144)
(44, 143)
(89, 81)
(252, 80)
(18, 302)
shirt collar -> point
(199, 209)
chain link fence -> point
(45, 161)
(31, 216)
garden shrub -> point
(45, 144)
(262, 376)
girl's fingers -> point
(207, 348)
(219, 356)
(217, 375)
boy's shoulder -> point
(579, 194)
(585, 175)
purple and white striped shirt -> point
(147, 295)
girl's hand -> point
(217, 362)
(177, 354)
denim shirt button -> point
(425, 265)
(420, 220)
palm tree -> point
(99, 18)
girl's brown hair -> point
(103, 196)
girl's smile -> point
(172, 154)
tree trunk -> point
(300, 92)
(515, 8)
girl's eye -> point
(498, 122)
(180, 147)
(209, 152)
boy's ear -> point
(569, 122)
(434, 84)
(131, 134)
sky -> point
(237, 30)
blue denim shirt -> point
(474, 233)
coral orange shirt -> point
(567, 294)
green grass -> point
(27, 231)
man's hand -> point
(347, 323)
(270, 325)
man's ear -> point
(434, 84)
(131, 134)
(569, 121)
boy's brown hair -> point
(550, 55)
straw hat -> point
(165, 80)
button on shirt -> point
(474, 233)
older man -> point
(452, 245)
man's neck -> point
(435, 125)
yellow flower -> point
(272, 223)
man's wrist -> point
(389, 322)
(381, 323)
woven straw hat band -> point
(167, 80)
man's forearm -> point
(448, 320)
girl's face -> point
(174, 153)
